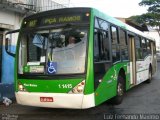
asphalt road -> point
(141, 100)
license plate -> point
(46, 99)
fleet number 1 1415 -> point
(65, 86)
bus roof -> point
(119, 23)
(96, 13)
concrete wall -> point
(11, 19)
(63, 2)
(43, 5)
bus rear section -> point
(52, 60)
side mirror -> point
(11, 41)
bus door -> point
(1, 46)
(154, 60)
(132, 58)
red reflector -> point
(82, 83)
(46, 99)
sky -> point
(114, 8)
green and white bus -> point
(106, 59)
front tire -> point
(120, 92)
(150, 76)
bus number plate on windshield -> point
(46, 99)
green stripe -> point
(89, 88)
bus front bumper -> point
(59, 100)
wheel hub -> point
(120, 89)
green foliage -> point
(154, 5)
(137, 19)
(152, 17)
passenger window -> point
(101, 50)
(123, 45)
(144, 48)
(115, 46)
(101, 41)
(96, 45)
(114, 35)
(138, 48)
(101, 46)
(154, 48)
(122, 37)
(96, 23)
(148, 47)
(103, 24)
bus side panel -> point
(107, 88)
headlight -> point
(20, 87)
(78, 89)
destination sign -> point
(62, 19)
(31, 23)
(53, 20)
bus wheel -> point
(120, 92)
(150, 76)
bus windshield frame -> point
(35, 67)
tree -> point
(152, 17)
(137, 19)
(154, 5)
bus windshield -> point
(53, 51)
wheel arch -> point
(123, 75)
(150, 66)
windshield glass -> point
(54, 51)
